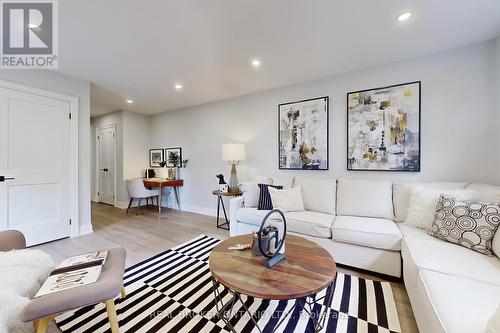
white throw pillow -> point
(263, 180)
(251, 193)
(494, 322)
(287, 200)
(423, 202)
(286, 182)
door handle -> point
(105, 170)
(3, 178)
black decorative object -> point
(223, 187)
(269, 241)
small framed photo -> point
(173, 157)
(155, 157)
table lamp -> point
(233, 153)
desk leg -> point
(159, 200)
(176, 191)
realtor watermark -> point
(29, 33)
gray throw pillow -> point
(466, 223)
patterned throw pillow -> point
(265, 202)
(466, 223)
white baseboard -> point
(85, 229)
(121, 204)
(200, 210)
(187, 208)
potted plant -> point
(176, 162)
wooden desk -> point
(160, 184)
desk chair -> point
(137, 190)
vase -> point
(161, 173)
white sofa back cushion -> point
(318, 193)
(366, 198)
(289, 200)
(286, 182)
(423, 204)
(401, 195)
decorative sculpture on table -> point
(223, 187)
(269, 241)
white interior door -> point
(106, 138)
(35, 151)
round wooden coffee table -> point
(307, 270)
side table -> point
(220, 202)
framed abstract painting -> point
(383, 128)
(303, 134)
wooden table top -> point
(307, 269)
(227, 194)
(154, 182)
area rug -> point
(172, 292)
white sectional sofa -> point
(361, 223)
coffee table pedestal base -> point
(224, 310)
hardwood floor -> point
(145, 234)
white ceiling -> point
(139, 49)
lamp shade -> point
(233, 152)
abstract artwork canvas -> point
(383, 128)
(303, 134)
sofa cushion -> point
(434, 254)
(251, 193)
(286, 182)
(307, 222)
(461, 304)
(485, 192)
(467, 223)
(318, 193)
(289, 200)
(366, 198)
(372, 232)
(401, 195)
(488, 193)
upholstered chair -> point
(137, 190)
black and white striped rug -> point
(172, 292)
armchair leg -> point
(42, 324)
(123, 292)
(129, 204)
(113, 320)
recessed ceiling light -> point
(178, 86)
(129, 101)
(404, 16)
(255, 63)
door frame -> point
(73, 115)
(98, 157)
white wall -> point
(64, 84)
(457, 127)
(496, 67)
(132, 149)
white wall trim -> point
(73, 107)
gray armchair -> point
(12, 240)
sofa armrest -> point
(12, 240)
(234, 205)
